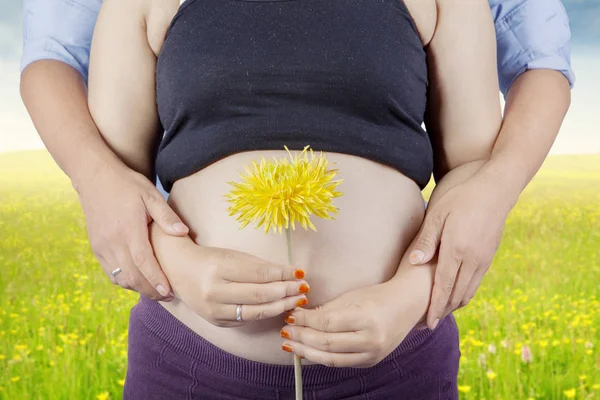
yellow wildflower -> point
(491, 375)
(464, 389)
(15, 379)
(278, 193)
(103, 396)
(596, 386)
(121, 382)
(582, 377)
(2, 357)
(570, 393)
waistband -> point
(181, 339)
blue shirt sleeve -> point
(59, 30)
(531, 34)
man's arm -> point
(532, 36)
(116, 200)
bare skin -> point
(355, 256)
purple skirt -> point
(169, 361)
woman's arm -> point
(211, 281)
(362, 327)
(122, 97)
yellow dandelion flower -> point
(2, 357)
(15, 379)
(589, 352)
(464, 388)
(17, 357)
(103, 396)
(278, 193)
(582, 377)
(52, 363)
(491, 375)
(121, 382)
(596, 386)
(570, 393)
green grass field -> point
(531, 332)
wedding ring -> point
(116, 272)
(238, 313)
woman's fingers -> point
(240, 267)
(258, 293)
(355, 360)
(343, 342)
(252, 312)
(336, 320)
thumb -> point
(164, 216)
(427, 240)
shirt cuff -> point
(49, 49)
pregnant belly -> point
(380, 213)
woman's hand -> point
(118, 204)
(214, 281)
(359, 328)
(466, 222)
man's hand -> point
(119, 203)
(359, 328)
(466, 222)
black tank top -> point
(345, 76)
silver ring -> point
(116, 272)
(238, 313)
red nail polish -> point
(299, 274)
(301, 302)
(287, 348)
(285, 334)
(290, 319)
(304, 288)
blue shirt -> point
(531, 34)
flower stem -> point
(297, 359)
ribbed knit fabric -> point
(167, 360)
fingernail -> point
(290, 319)
(180, 227)
(285, 334)
(299, 274)
(304, 288)
(416, 256)
(287, 348)
(161, 289)
(435, 323)
(301, 302)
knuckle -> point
(447, 285)
(132, 281)
(139, 258)
(330, 362)
(262, 273)
(326, 343)
(324, 322)
(455, 303)
(261, 314)
(436, 219)
(259, 296)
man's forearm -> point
(56, 99)
(536, 106)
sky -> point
(580, 132)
